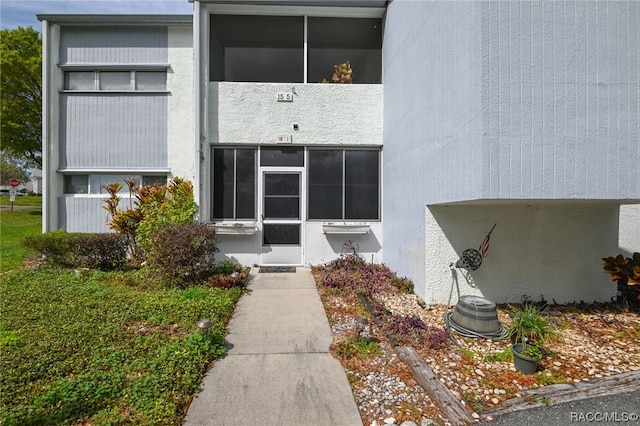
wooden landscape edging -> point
(566, 392)
(437, 391)
(452, 408)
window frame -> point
(343, 199)
(118, 177)
(234, 197)
(97, 81)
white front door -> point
(281, 213)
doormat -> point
(276, 269)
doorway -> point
(281, 212)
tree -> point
(21, 95)
(10, 170)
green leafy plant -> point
(529, 325)
(75, 249)
(155, 207)
(625, 269)
(107, 252)
(361, 346)
(501, 356)
(58, 248)
(89, 351)
(532, 351)
(184, 253)
(229, 274)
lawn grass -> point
(32, 201)
(14, 227)
(101, 349)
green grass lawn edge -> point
(101, 350)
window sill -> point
(346, 228)
(235, 228)
(119, 92)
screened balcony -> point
(293, 49)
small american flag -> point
(484, 246)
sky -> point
(15, 13)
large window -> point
(344, 184)
(273, 48)
(234, 183)
(115, 80)
(93, 184)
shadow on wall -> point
(550, 251)
(363, 244)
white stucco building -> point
(461, 115)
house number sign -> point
(284, 97)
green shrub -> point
(156, 207)
(184, 254)
(363, 347)
(404, 285)
(57, 248)
(165, 205)
(75, 249)
(106, 252)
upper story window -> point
(273, 48)
(115, 80)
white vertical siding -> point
(433, 144)
(514, 99)
(113, 44)
(118, 131)
(563, 91)
(83, 214)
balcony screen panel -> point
(245, 183)
(337, 40)
(325, 184)
(257, 48)
(223, 174)
(361, 185)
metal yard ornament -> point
(471, 259)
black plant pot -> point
(524, 364)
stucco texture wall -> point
(181, 141)
(325, 113)
(537, 251)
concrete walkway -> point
(278, 370)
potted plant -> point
(530, 328)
